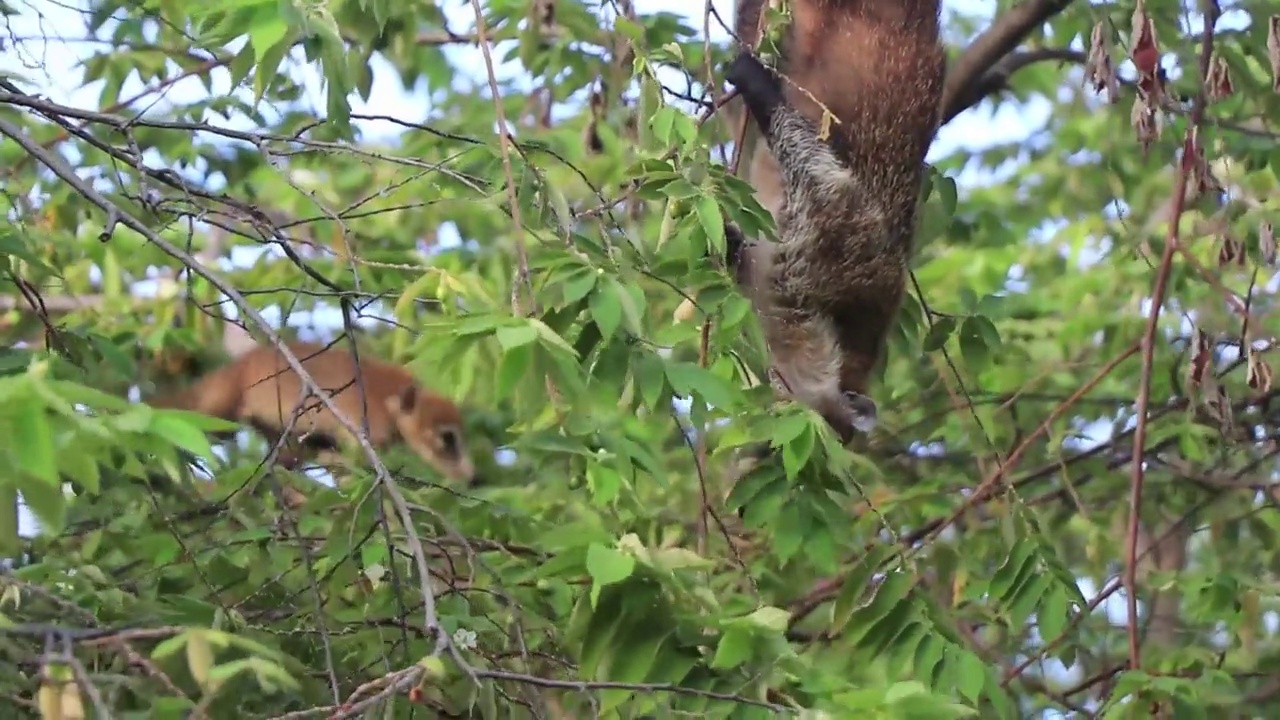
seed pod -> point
(1273, 50)
(1219, 82)
(1267, 243)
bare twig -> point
(504, 142)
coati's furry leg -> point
(803, 340)
(814, 168)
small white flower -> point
(464, 639)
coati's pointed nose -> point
(465, 471)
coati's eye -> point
(449, 439)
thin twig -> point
(504, 142)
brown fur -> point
(260, 389)
(828, 293)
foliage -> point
(965, 560)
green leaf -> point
(662, 123)
(136, 419)
(606, 310)
(893, 590)
(176, 430)
(938, 334)
(512, 368)
(514, 336)
(1019, 563)
(946, 188)
(856, 583)
(789, 427)
(578, 285)
(676, 558)
(47, 503)
(971, 675)
(242, 65)
(80, 466)
(973, 345)
(10, 540)
(790, 531)
(268, 63)
(707, 209)
(641, 649)
(14, 361)
(796, 453)
(650, 375)
(607, 566)
(688, 379)
(733, 649)
(1027, 596)
(551, 337)
(987, 329)
(269, 27)
(31, 439)
(632, 300)
(604, 483)
(14, 243)
(770, 618)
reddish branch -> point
(1210, 10)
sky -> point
(46, 42)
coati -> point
(259, 389)
(828, 292)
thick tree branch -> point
(997, 78)
(1005, 34)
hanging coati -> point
(827, 293)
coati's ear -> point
(408, 397)
(402, 402)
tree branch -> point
(997, 78)
(1007, 31)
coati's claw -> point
(754, 80)
(777, 383)
(862, 411)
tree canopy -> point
(1069, 508)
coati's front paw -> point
(734, 241)
(779, 385)
(755, 81)
(861, 411)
